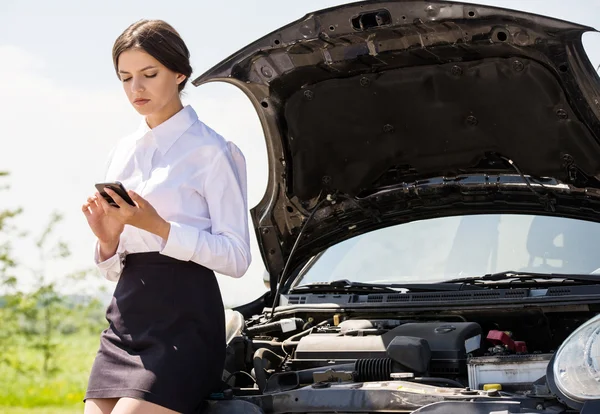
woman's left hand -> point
(142, 215)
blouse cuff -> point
(181, 242)
(111, 267)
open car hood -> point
(404, 110)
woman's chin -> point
(143, 110)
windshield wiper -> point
(511, 275)
(342, 285)
(347, 286)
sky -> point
(62, 107)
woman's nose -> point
(137, 85)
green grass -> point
(59, 393)
(76, 409)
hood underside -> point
(407, 110)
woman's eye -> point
(125, 80)
(151, 76)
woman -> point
(164, 349)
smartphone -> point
(118, 188)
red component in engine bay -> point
(504, 338)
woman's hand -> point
(106, 228)
(142, 215)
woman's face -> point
(150, 87)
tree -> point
(42, 313)
(9, 298)
(46, 308)
(7, 262)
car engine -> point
(504, 352)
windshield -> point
(445, 248)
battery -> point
(516, 370)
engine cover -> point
(449, 343)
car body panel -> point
(372, 103)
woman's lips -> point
(141, 102)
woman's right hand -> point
(106, 228)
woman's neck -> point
(157, 118)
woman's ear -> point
(180, 78)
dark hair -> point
(161, 41)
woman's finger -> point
(136, 198)
(85, 208)
(117, 198)
(103, 203)
(92, 205)
(95, 206)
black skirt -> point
(166, 337)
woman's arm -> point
(110, 268)
(226, 247)
(105, 252)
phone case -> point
(118, 188)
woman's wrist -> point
(157, 226)
(107, 249)
(163, 228)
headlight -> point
(234, 324)
(576, 366)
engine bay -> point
(497, 352)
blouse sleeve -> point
(225, 247)
(112, 267)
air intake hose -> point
(373, 369)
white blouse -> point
(197, 182)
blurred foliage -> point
(47, 338)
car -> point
(431, 222)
